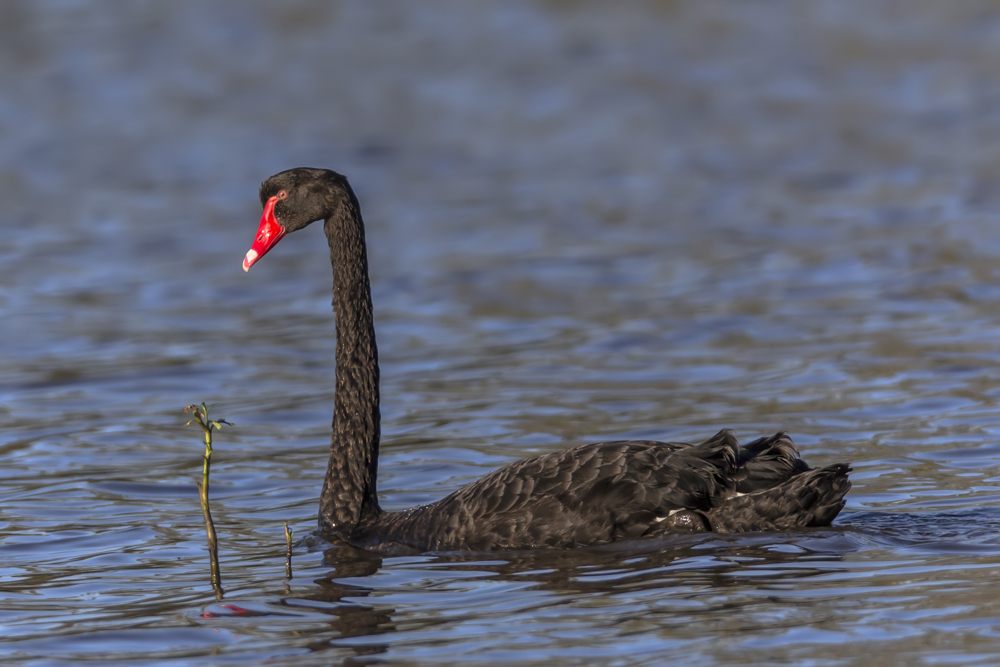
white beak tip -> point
(249, 259)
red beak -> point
(268, 235)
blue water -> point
(585, 222)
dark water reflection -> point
(585, 222)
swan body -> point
(587, 495)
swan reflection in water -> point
(689, 576)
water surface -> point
(586, 222)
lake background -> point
(586, 221)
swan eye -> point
(282, 194)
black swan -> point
(588, 495)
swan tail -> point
(812, 498)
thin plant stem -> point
(288, 552)
(213, 542)
(207, 426)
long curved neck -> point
(349, 491)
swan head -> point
(292, 200)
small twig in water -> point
(288, 552)
(201, 418)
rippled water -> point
(586, 222)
